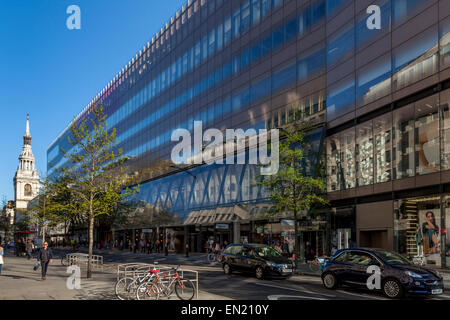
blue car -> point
(396, 275)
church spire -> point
(27, 132)
(27, 136)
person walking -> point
(1, 258)
(187, 249)
(45, 256)
(166, 248)
(29, 248)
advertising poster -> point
(429, 222)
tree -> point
(41, 210)
(292, 188)
(97, 175)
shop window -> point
(341, 161)
(403, 142)
(427, 136)
(364, 154)
(445, 129)
(382, 127)
(417, 228)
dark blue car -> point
(397, 275)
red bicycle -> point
(166, 283)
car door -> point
(341, 266)
(360, 262)
(247, 259)
(235, 258)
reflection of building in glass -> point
(381, 97)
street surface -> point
(19, 281)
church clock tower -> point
(26, 180)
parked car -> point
(398, 275)
(259, 259)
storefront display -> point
(417, 232)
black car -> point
(259, 259)
(398, 276)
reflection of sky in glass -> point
(340, 45)
(339, 97)
(401, 8)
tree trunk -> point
(43, 234)
(91, 242)
(296, 243)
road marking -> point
(360, 295)
(277, 297)
(292, 289)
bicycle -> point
(166, 284)
(215, 257)
(125, 288)
(317, 264)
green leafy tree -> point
(41, 211)
(98, 179)
(292, 188)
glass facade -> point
(267, 63)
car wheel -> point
(227, 269)
(259, 272)
(392, 289)
(329, 281)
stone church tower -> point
(26, 180)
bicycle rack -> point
(81, 260)
(133, 270)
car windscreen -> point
(266, 252)
(392, 257)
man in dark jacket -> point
(45, 256)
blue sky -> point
(52, 73)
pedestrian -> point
(166, 248)
(142, 246)
(45, 256)
(217, 248)
(187, 249)
(157, 245)
(1, 258)
(29, 248)
(130, 245)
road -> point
(241, 286)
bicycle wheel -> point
(185, 291)
(125, 288)
(148, 291)
(314, 266)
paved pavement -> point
(19, 281)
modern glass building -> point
(378, 96)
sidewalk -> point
(18, 281)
